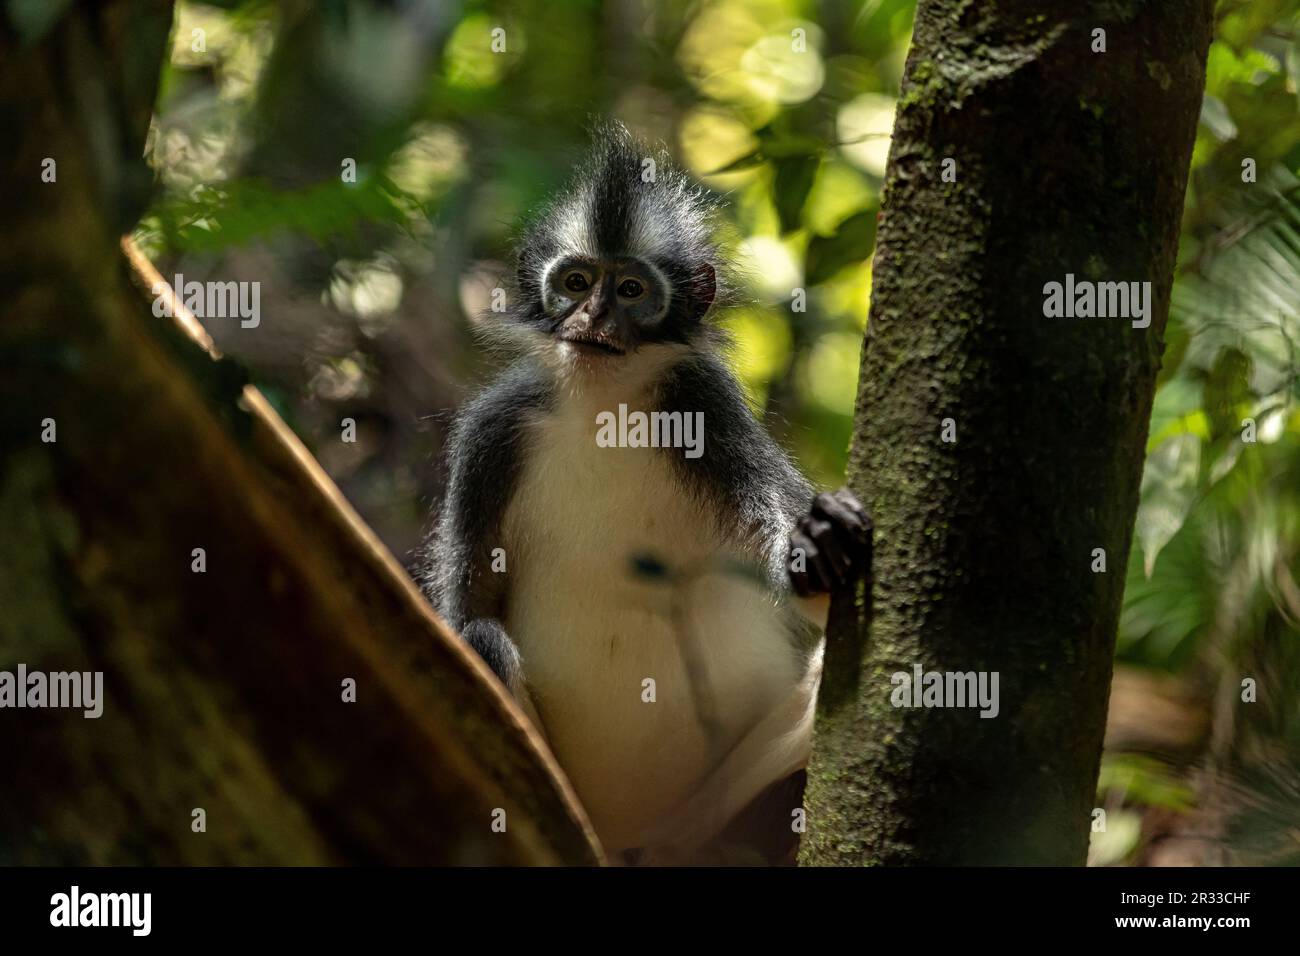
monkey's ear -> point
(703, 287)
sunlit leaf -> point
(1169, 487)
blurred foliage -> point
(1216, 545)
(1212, 590)
(785, 106)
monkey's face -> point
(608, 308)
(605, 307)
(620, 264)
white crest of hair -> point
(650, 229)
(572, 226)
(674, 211)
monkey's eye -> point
(577, 281)
(631, 289)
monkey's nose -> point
(598, 313)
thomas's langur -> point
(657, 598)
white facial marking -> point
(551, 299)
(664, 287)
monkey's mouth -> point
(592, 344)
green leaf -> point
(794, 179)
(1169, 485)
(241, 211)
(1226, 390)
(780, 143)
(852, 242)
(1145, 781)
(788, 147)
(747, 161)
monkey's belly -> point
(636, 718)
(602, 645)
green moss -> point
(923, 84)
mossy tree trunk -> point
(124, 447)
(1067, 160)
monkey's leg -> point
(773, 749)
(834, 538)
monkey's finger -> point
(857, 550)
(839, 546)
(818, 575)
(845, 511)
(852, 528)
(800, 547)
(832, 562)
(822, 570)
(853, 522)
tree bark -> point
(1067, 161)
(223, 687)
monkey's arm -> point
(807, 546)
(485, 450)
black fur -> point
(489, 639)
(486, 455)
(748, 482)
(747, 479)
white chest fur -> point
(593, 632)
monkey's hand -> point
(830, 547)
